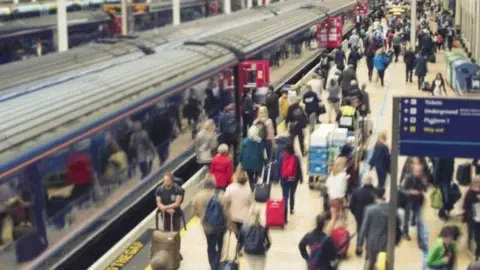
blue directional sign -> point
(439, 127)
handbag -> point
(228, 264)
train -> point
(72, 130)
(39, 72)
(18, 38)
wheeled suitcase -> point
(263, 188)
(275, 213)
(341, 239)
(168, 241)
(464, 174)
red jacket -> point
(80, 171)
(222, 168)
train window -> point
(15, 214)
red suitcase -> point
(341, 239)
(275, 216)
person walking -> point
(397, 45)
(370, 56)
(240, 198)
(296, 121)
(222, 167)
(317, 248)
(334, 98)
(414, 185)
(272, 105)
(471, 214)
(437, 85)
(143, 149)
(203, 204)
(248, 109)
(421, 69)
(251, 156)
(361, 198)
(443, 254)
(380, 160)
(255, 241)
(374, 230)
(381, 62)
(409, 59)
(290, 175)
(205, 143)
(267, 124)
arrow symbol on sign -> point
(406, 110)
(405, 119)
(406, 101)
(405, 128)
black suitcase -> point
(464, 174)
(262, 189)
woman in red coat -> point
(222, 167)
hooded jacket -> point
(222, 168)
(251, 154)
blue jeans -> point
(288, 192)
(214, 248)
(417, 216)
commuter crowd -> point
(240, 175)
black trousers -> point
(420, 81)
(409, 74)
(381, 75)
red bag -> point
(275, 215)
(289, 167)
(341, 239)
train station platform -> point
(284, 254)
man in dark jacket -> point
(415, 185)
(346, 78)
(312, 103)
(340, 58)
(370, 54)
(375, 230)
(248, 107)
(442, 176)
(354, 57)
(361, 198)
(409, 59)
(296, 121)
(159, 127)
(421, 69)
(228, 127)
(272, 106)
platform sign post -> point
(430, 127)
(62, 27)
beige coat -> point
(200, 203)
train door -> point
(335, 32)
(322, 34)
(254, 74)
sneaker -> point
(407, 237)
(292, 212)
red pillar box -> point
(322, 34)
(335, 32)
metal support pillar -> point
(238, 118)
(457, 14)
(62, 27)
(413, 26)
(124, 17)
(392, 211)
(176, 12)
(249, 3)
(227, 6)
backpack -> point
(436, 199)
(254, 242)
(214, 213)
(229, 126)
(289, 167)
(299, 118)
(261, 129)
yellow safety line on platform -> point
(182, 232)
